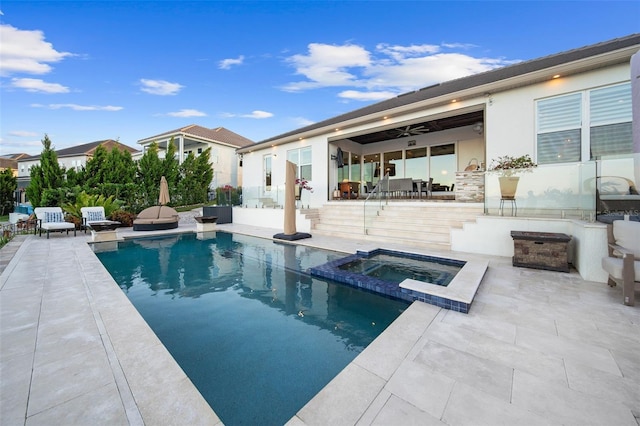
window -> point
(302, 158)
(443, 164)
(267, 172)
(343, 172)
(416, 163)
(559, 129)
(610, 124)
(371, 167)
(584, 125)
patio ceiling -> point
(421, 127)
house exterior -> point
(73, 157)
(570, 111)
(195, 139)
(509, 111)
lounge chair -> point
(95, 215)
(623, 262)
(156, 218)
(52, 219)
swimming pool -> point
(256, 334)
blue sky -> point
(127, 70)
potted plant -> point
(508, 168)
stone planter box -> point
(541, 250)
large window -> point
(351, 169)
(443, 165)
(416, 164)
(584, 125)
(393, 164)
(266, 170)
(302, 158)
(610, 124)
(371, 167)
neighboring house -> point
(570, 111)
(10, 161)
(73, 157)
(195, 139)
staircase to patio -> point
(423, 224)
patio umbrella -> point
(164, 192)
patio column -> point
(181, 149)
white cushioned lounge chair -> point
(92, 215)
(51, 219)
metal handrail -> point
(381, 194)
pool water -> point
(395, 269)
(255, 333)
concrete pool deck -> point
(537, 347)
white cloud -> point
(226, 64)
(77, 107)
(38, 85)
(31, 147)
(302, 122)
(366, 96)
(24, 51)
(22, 133)
(328, 65)
(257, 114)
(160, 87)
(386, 72)
(401, 52)
(187, 113)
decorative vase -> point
(508, 187)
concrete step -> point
(413, 223)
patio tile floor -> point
(537, 347)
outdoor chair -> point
(426, 187)
(623, 262)
(94, 215)
(51, 219)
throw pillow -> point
(50, 217)
(95, 216)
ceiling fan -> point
(411, 131)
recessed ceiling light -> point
(556, 76)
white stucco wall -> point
(510, 116)
(492, 235)
(269, 218)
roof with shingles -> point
(84, 149)
(218, 134)
(8, 163)
(453, 86)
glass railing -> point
(260, 197)
(617, 185)
(602, 190)
(558, 191)
(375, 202)
(273, 197)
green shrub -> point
(85, 200)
